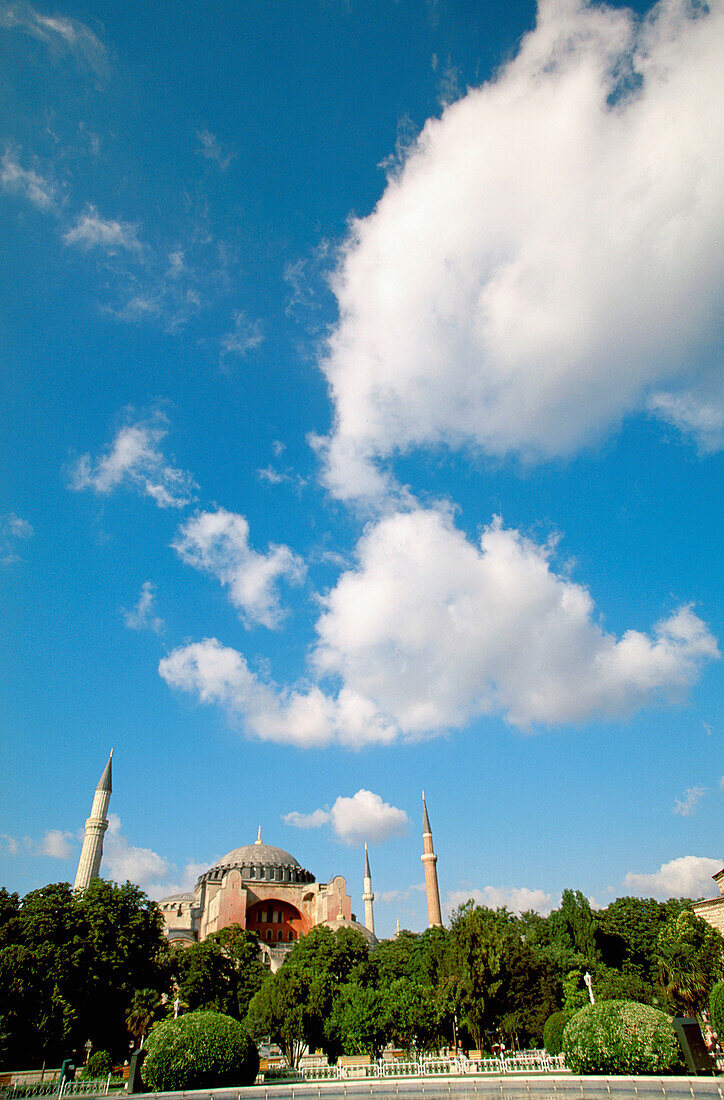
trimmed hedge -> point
(98, 1065)
(553, 1031)
(199, 1050)
(716, 1008)
(621, 1037)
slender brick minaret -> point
(429, 860)
(95, 826)
(368, 897)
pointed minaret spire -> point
(92, 851)
(368, 897)
(429, 860)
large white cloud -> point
(435, 630)
(549, 254)
(429, 631)
(363, 817)
(218, 542)
(685, 877)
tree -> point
(279, 1011)
(242, 950)
(141, 1014)
(205, 977)
(689, 960)
(70, 964)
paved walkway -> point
(508, 1087)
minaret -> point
(96, 825)
(368, 897)
(429, 860)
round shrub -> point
(716, 1008)
(553, 1031)
(98, 1065)
(621, 1037)
(199, 1050)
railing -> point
(529, 1061)
(22, 1091)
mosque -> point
(259, 887)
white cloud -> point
(685, 877)
(363, 817)
(122, 861)
(218, 543)
(243, 337)
(547, 256)
(12, 529)
(134, 458)
(211, 149)
(143, 616)
(56, 844)
(11, 844)
(700, 415)
(518, 899)
(30, 184)
(61, 34)
(687, 805)
(497, 632)
(92, 231)
(393, 897)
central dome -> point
(258, 853)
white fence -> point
(528, 1061)
(20, 1090)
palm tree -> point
(141, 1013)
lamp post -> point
(589, 986)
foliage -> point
(141, 1014)
(716, 1008)
(199, 1050)
(99, 1065)
(553, 1031)
(242, 950)
(689, 959)
(281, 1010)
(621, 1037)
(65, 955)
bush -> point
(621, 1037)
(716, 1009)
(553, 1031)
(199, 1050)
(98, 1065)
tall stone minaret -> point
(429, 860)
(368, 897)
(96, 825)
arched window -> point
(279, 934)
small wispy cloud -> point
(394, 897)
(134, 458)
(243, 337)
(10, 844)
(363, 817)
(29, 183)
(93, 231)
(519, 899)
(62, 35)
(57, 844)
(212, 149)
(686, 805)
(218, 543)
(143, 616)
(13, 530)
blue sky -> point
(363, 428)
